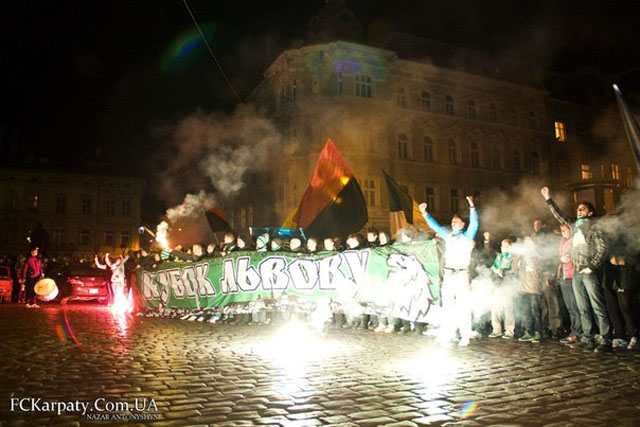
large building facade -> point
(442, 132)
(79, 215)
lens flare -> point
(186, 46)
(468, 409)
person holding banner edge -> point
(455, 289)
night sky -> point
(92, 78)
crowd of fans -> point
(575, 284)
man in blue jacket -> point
(455, 289)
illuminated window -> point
(430, 198)
(401, 98)
(475, 155)
(586, 172)
(363, 86)
(561, 132)
(471, 109)
(615, 172)
(34, 202)
(425, 101)
(493, 115)
(454, 200)
(448, 105)
(535, 163)
(629, 178)
(403, 146)
(370, 192)
(452, 151)
(428, 149)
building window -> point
(513, 117)
(12, 201)
(495, 158)
(629, 178)
(586, 172)
(58, 237)
(109, 238)
(517, 160)
(370, 192)
(86, 205)
(340, 84)
(454, 200)
(452, 152)
(34, 202)
(428, 149)
(493, 114)
(533, 120)
(425, 101)
(401, 98)
(85, 237)
(448, 105)
(535, 163)
(126, 208)
(561, 132)
(615, 172)
(475, 155)
(430, 199)
(61, 204)
(363, 86)
(294, 89)
(403, 146)
(125, 239)
(110, 207)
(471, 109)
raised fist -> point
(470, 201)
(423, 208)
(545, 192)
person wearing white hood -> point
(455, 291)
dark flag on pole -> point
(403, 210)
(216, 220)
(333, 204)
(630, 125)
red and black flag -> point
(216, 220)
(403, 210)
(630, 125)
(333, 204)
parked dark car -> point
(85, 283)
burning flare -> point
(122, 304)
(161, 234)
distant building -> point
(71, 214)
(442, 128)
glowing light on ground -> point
(122, 304)
(435, 368)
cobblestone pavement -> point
(201, 373)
